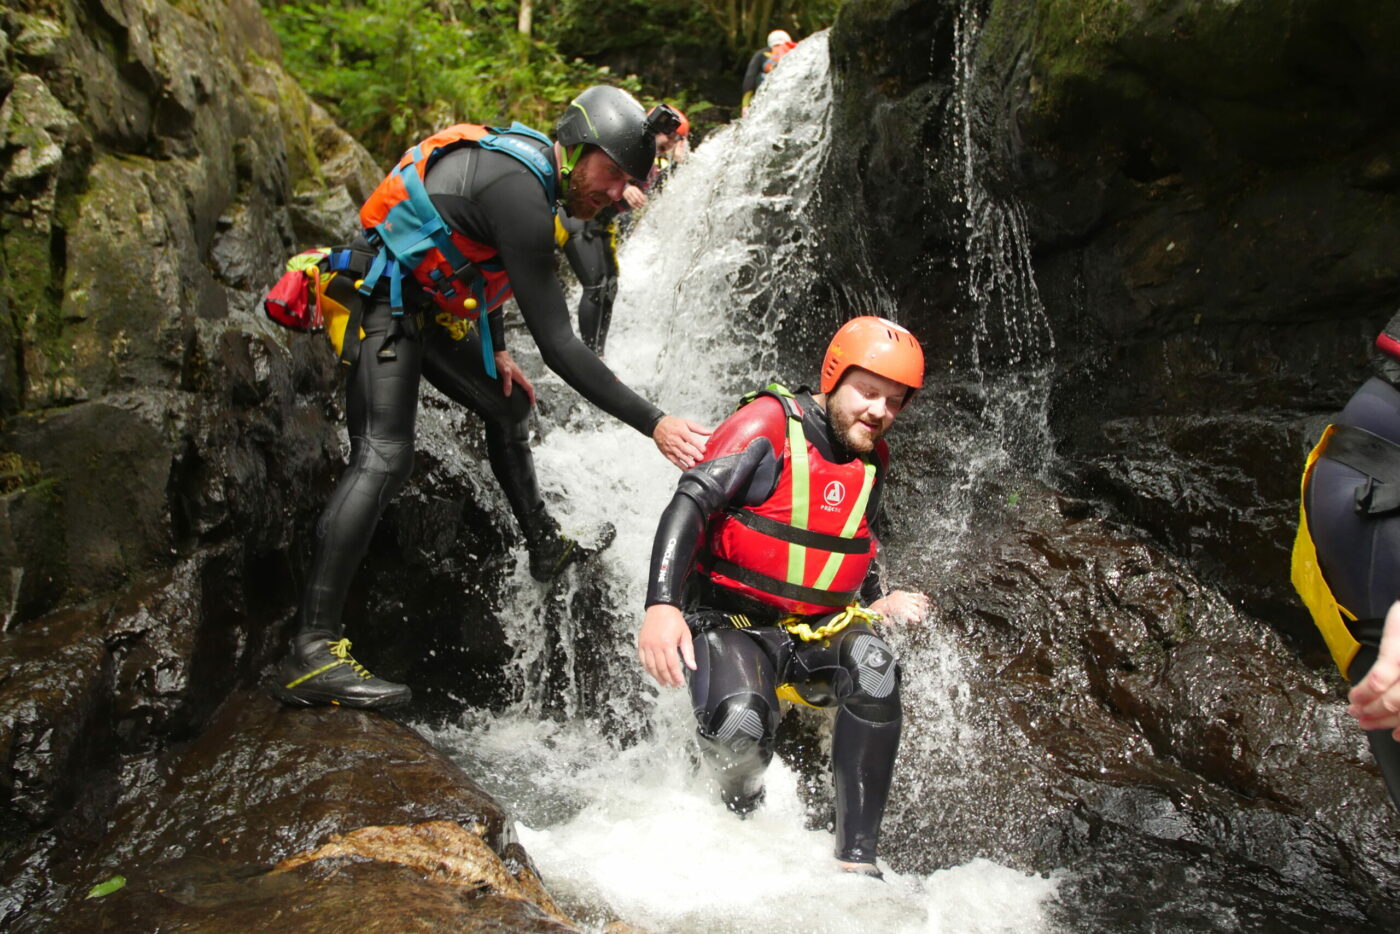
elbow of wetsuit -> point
(674, 550)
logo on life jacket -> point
(835, 493)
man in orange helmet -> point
(779, 522)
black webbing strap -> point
(1361, 450)
(779, 588)
(806, 537)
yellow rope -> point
(457, 328)
(831, 627)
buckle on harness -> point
(794, 624)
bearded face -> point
(862, 408)
(596, 182)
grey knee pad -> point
(874, 672)
(737, 741)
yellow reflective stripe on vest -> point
(801, 494)
(1308, 580)
(833, 560)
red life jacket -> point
(807, 548)
(461, 275)
(775, 54)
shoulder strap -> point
(509, 141)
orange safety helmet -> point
(875, 344)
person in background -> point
(759, 567)
(464, 221)
(762, 63)
(591, 245)
(1346, 557)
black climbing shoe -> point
(551, 550)
(320, 670)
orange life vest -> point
(462, 276)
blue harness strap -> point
(414, 226)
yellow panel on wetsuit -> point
(335, 315)
(561, 233)
(1326, 612)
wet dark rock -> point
(1122, 710)
(1203, 195)
(164, 450)
(319, 814)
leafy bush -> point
(394, 71)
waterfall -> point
(1012, 349)
(621, 823)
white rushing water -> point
(630, 829)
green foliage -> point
(394, 71)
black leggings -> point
(594, 260)
(733, 691)
(381, 406)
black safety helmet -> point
(612, 120)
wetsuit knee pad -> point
(742, 724)
(874, 672)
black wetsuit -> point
(755, 73)
(1357, 534)
(592, 253)
(491, 198)
(742, 656)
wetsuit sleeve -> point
(496, 321)
(741, 466)
(519, 223)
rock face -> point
(1208, 195)
(328, 815)
(1173, 228)
(163, 453)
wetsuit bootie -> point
(551, 550)
(869, 870)
(320, 670)
(743, 805)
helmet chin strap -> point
(567, 162)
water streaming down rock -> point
(1079, 701)
(710, 274)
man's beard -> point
(580, 206)
(854, 439)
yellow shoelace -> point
(341, 650)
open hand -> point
(681, 440)
(902, 606)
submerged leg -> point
(733, 694)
